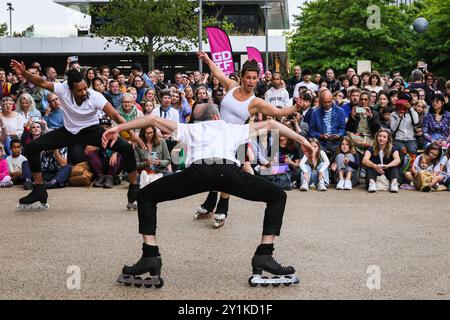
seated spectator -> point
(289, 154)
(382, 159)
(421, 108)
(18, 166)
(346, 165)
(148, 108)
(12, 121)
(114, 93)
(54, 114)
(315, 171)
(189, 95)
(393, 97)
(139, 84)
(362, 124)
(5, 178)
(354, 95)
(26, 107)
(156, 157)
(201, 96)
(385, 118)
(180, 103)
(133, 92)
(433, 154)
(99, 86)
(436, 123)
(150, 95)
(106, 165)
(403, 121)
(382, 101)
(445, 169)
(339, 98)
(327, 123)
(374, 83)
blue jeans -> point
(314, 175)
(411, 145)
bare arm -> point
(143, 122)
(260, 105)
(19, 68)
(226, 82)
(284, 131)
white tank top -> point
(234, 111)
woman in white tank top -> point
(237, 107)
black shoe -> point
(99, 181)
(28, 185)
(267, 263)
(144, 265)
(108, 182)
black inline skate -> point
(134, 275)
(282, 274)
(39, 195)
(132, 195)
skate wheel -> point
(264, 284)
(126, 283)
(288, 283)
(251, 284)
(276, 284)
(161, 283)
(148, 285)
(137, 285)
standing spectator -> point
(292, 82)
(264, 85)
(160, 83)
(355, 81)
(114, 93)
(277, 95)
(122, 81)
(5, 86)
(138, 83)
(382, 101)
(403, 122)
(374, 83)
(382, 159)
(198, 81)
(307, 74)
(365, 76)
(332, 84)
(327, 123)
(99, 86)
(180, 103)
(90, 76)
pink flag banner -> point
(255, 54)
(221, 51)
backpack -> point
(81, 175)
(282, 180)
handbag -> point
(282, 180)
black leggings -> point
(88, 136)
(199, 178)
(391, 174)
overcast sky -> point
(53, 20)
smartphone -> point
(153, 155)
(360, 110)
(35, 119)
(73, 58)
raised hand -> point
(18, 67)
(201, 55)
(110, 135)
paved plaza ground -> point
(331, 238)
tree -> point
(433, 46)
(335, 33)
(3, 29)
(27, 33)
(150, 26)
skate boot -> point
(282, 274)
(39, 195)
(219, 219)
(132, 195)
(202, 213)
(134, 275)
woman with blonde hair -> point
(26, 107)
(382, 159)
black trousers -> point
(391, 174)
(88, 136)
(199, 178)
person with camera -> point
(402, 123)
(363, 123)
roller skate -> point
(219, 219)
(134, 275)
(132, 195)
(282, 274)
(36, 200)
(202, 213)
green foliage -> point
(27, 33)
(3, 29)
(334, 33)
(433, 46)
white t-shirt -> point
(15, 164)
(211, 139)
(171, 114)
(311, 86)
(15, 124)
(78, 117)
(277, 97)
(446, 163)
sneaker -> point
(348, 185)
(108, 182)
(28, 185)
(8, 184)
(98, 183)
(304, 186)
(340, 185)
(435, 187)
(394, 187)
(321, 186)
(372, 186)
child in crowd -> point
(315, 172)
(346, 165)
(385, 121)
(5, 178)
(18, 166)
(421, 108)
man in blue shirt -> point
(54, 114)
(327, 123)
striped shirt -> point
(327, 120)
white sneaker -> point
(347, 185)
(304, 186)
(394, 187)
(372, 186)
(321, 186)
(340, 185)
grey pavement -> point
(331, 238)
